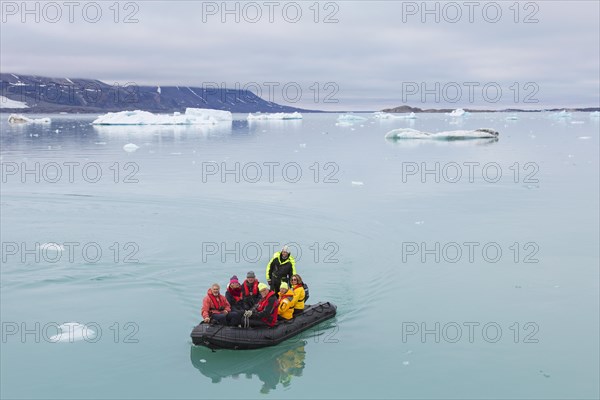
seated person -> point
(286, 302)
(216, 308)
(233, 294)
(264, 314)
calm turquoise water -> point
(505, 265)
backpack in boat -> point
(305, 286)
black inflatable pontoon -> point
(230, 337)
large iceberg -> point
(20, 119)
(274, 116)
(192, 116)
(407, 133)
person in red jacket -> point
(216, 308)
(265, 312)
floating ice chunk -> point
(20, 119)
(562, 114)
(273, 116)
(303, 145)
(357, 183)
(350, 118)
(405, 362)
(158, 89)
(52, 247)
(595, 114)
(384, 115)
(5, 102)
(192, 116)
(130, 147)
(419, 222)
(577, 122)
(73, 332)
(407, 133)
(584, 137)
(512, 118)
(459, 112)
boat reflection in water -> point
(273, 365)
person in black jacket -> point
(280, 269)
(250, 293)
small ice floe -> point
(577, 122)
(384, 115)
(303, 145)
(100, 143)
(407, 133)
(130, 147)
(419, 222)
(357, 183)
(512, 118)
(562, 114)
(273, 116)
(584, 137)
(20, 119)
(73, 332)
(459, 112)
(202, 360)
(405, 362)
(544, 374)
(350, 118)
(52, 247)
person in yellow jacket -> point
(286, 302)
(299, 294)
(280, 268)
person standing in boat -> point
(265, 312)
(286, 302)
(233, 294)
(299, 294)
(250, 294)
(216, 308)
(280, 269)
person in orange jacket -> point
(216, 308)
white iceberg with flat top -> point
(407, 133)
(273, 116)
(192, 116)
(5, 102)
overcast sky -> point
(371, 54)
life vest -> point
(217, 303)
(270, 320)
(236, 298)
(254, 291)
